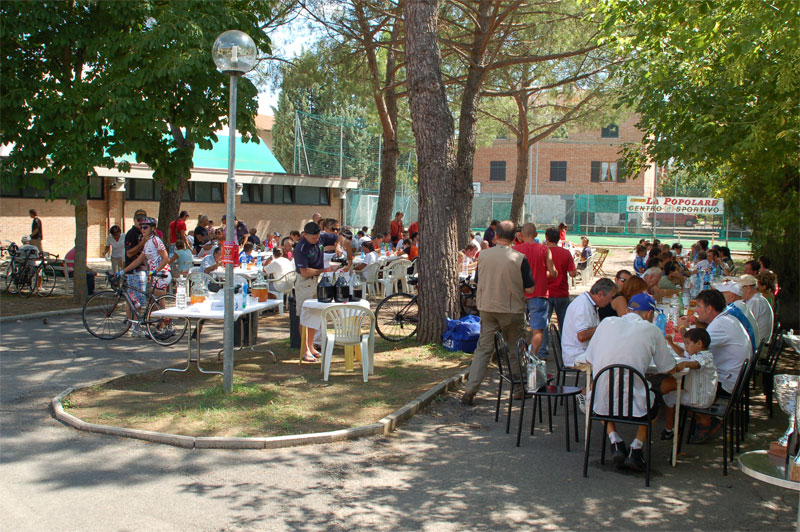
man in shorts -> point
(310, 264)
(541, 263)
(135, 278)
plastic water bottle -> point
(465, 265)
(258, 262)
(244, 296)
(661, 322)
(180, 292)
(362, 254)
(706, 281)
(685, 299)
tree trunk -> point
(467, 125)
(169, 206)
(520, 180)
(389, 156)
(435, 152)
(80, 291)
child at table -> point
(700, 385)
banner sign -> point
(672, 205)
(230, 253)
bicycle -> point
(24, 276)
(105, 317)
(397, 316)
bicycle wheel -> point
(104, 315)
(47, 280)
(164, 331)
(396, 317)
(7, 277)
(26, 281)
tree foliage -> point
(715, 83)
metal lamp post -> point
(234, 54)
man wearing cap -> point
(758, 305)
(133, 247)
(738, 309)
(634, 341)
(310, 264)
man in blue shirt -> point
(489, 235)
(310, 264)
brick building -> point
(585, 162)
(268, 199)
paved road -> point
(450, 468)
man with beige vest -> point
(503, 277)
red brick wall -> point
(579, 150)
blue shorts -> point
(537, 312)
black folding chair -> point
(548, 391)
(766, 367)
(621, 384)
(562, 370)
(504, 368)
(727, 412)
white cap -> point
(735, 288)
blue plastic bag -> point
(463, 334)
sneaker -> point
(581, 397)
(138, 333)
(667, 434)
(618, 453)
(635, 460)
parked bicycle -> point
(110, 313)
(23, 275)
(397, 316)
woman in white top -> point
(116, 244)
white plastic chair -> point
(370, 276)
(283, 286)
(347, 322)
(395, 275)
(586, 274)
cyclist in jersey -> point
(155, 253)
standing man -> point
(309, 263)
(201, 236)
(177, 231)
(396, 228)
(558, 286)
(542, 268)
(505, 278)
(36, 230)
(413, 228)
(489, 234)
(133, 247)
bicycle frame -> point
(123, 289)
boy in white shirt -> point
(700, 385)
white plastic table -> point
(205, 311)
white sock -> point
(614, 437)
(637, 444)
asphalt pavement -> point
(449, 468)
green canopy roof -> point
(249, 156)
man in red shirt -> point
(558, 286)
(177, 231)
(396, 228)
(541, 263)
(413, 228)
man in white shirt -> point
(758, 305)
(278, 265)
(212, 262)
(730, 346)
(732, 293)
(634, 341)
(581, 320)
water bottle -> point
(465, 265)
(362, 254)
(685, 300)
(706, 281)
(661, 322)
(180, 292)
(258, 262)
(244, 296)
(696, 285)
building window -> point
(558, 170)
(610, 132)
(95, 191)
(207, 192)
(311, 196)
(497, 171)
(604, 172)
(142, 189)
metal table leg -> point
(189, 356)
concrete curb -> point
(382, 427)
(35, 315)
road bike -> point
(24, 276)
(110, 313)
(397, 316)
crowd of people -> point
(729, 315)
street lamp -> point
(234, 54)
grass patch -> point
(269, 399)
